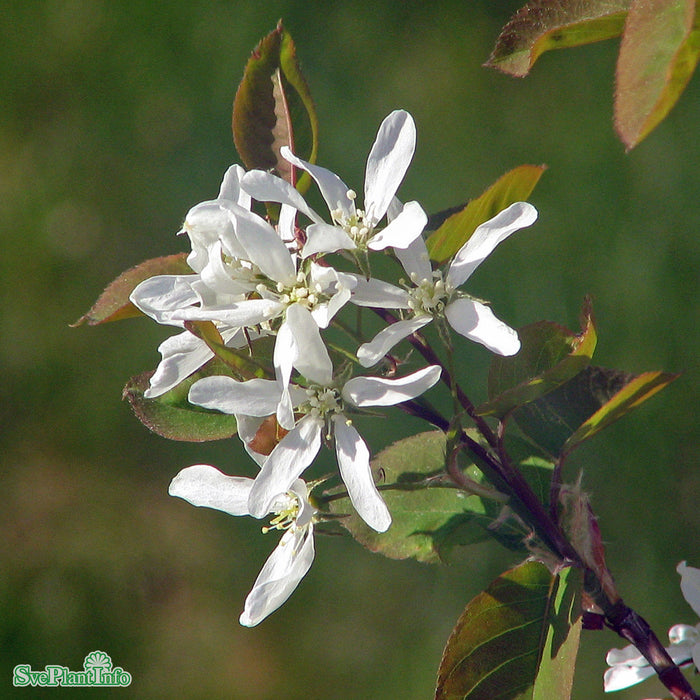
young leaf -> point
(659, 51)
(453, 232)
(550, 355)
(561, 420)
(273, 106)
(114, 305)
(172, 417)
(512, 639)
(543, 25)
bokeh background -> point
(114, 120)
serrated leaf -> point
(543, 25)
(515, 186)
(425, 521)
(114, 305)
(550, 355)
(172, 417)
(518, 628)
(273, 107)
(590, 401)
(659, 52)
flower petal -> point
(283, 357)
(476, 321)
(248, 313)
(415, 260)
(182, 355)
(256, 397)
(160, 295)
(370, 353)
(376, 292)
(375, 391)
(486, 237)
(324, 238)
(619, 677)
(333, 189)
(690, 585)
(266, 187)
(231, 187)
(286, 462)
(202, 485)
(355, 470)
(280, 575)
(403, 230)
(311, 357)
(388, 161)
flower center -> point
(301, 292)
(359, 226)
(429, 296)
(286, 510)
(322, 401)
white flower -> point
(203, 485)
(432, 294)
(628, 666)
(322, 405)
(353, 228)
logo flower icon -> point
(97, 659)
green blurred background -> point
(114, 120)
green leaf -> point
(172, 416)
(515, 186)
(659, 51)
(550, 355)
(427, 520)
(577, 410)
(512, 640)
(543, 25)
(273, 108)
(114, 305)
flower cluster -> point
(254, 277)
(628, 666)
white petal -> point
(415, 260)
(388, 161)
(265, 248)
(324, 238)
(248, 313)
(477, 322)
(266, 187)
(247, 428)
(377, 293)
(206, 223)
(202, 485)
(370, 353)
(333, 189)
(690, 585)
(403, 230)
(182, 355)
(231, 187)
(286, 462)
(486, 237)
(159, 296)
(627, 656)
(375, 391)
(355, 470)
(619, 677)
(280, 576)
(256, 397)
(311, 357)
(283, 357)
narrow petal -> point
(248, 313)
(286, 462)
(415, 260)
(265, 248)
(182, 355)
(266, 187)
(283, 358)
(333, 189)
(476, 321)
(280, 576)
(619, 677)
(355, 470)
(403, 230)
(690, 585)
(375, 391)
(159, 296)
(311, 357)
(202, 485)
(388, 161)
(377, 293)
(370, 353)
(486, 237)
(256, 397)
(324, 238)
(231, 187)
